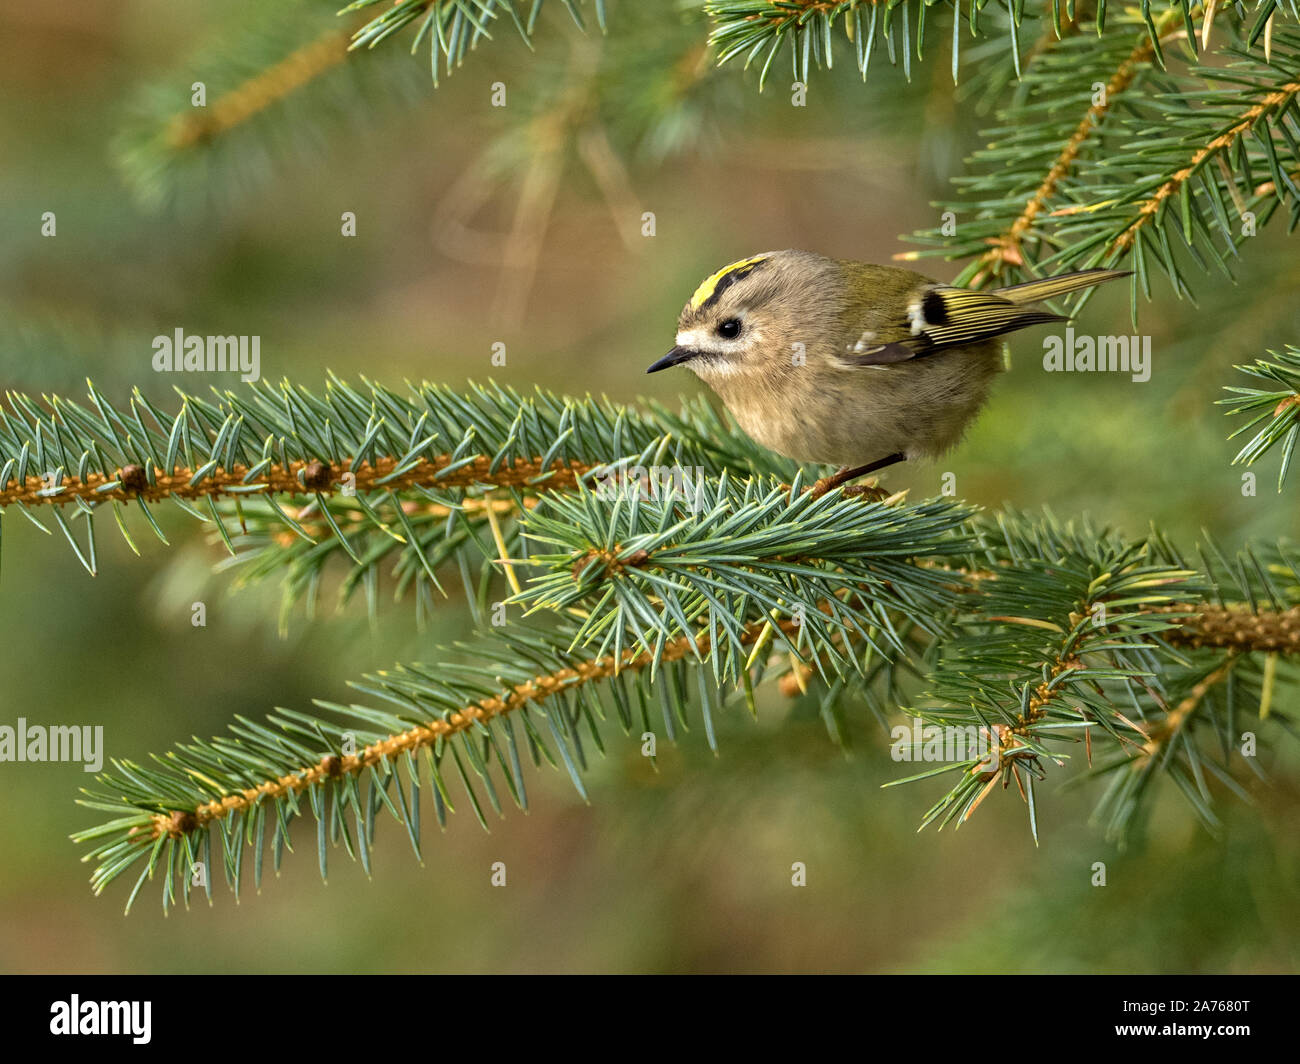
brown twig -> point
(1180, 714)
(285, 480)
(260, 91)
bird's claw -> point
(867, 491)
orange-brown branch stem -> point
(259, 92)
(285, 480)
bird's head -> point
(744, 315)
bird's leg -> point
(852, 473)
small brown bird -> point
(846, 363)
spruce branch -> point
(761, 29)
(1059, 633)
(263, 90)
(1031, 659)
(296, 477)
(1020, 175)
(1111, 611)
(276, 84)
(1168, 168)
(269, 91)
(1220, 139)
(268, 445)
(268, 775)
(1166, 748)
(1006, 247)
(1237, 627)
(1276, 411)
(1193, 715)
(735, 561)
(1162, 737)
(454, 28)
(719, 554)
(1079, 637)
(1272, 105)
(361, 540)
(433, 535)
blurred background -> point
(523, 225)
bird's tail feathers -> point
(1051, 287)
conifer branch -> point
(1029, 627)
(1161, 158)
(679, 578)
(1005, 248)
(721, 553)
(1179, 716)
(264, 89)
(294, 478)
(1049, 665)
(431, 535)
(758, 29)
(179, 822)
(369, 446)
(454, 28)
(1110, 604)
(1277, 102)
(1276, 411)
(263, 776)
(203, 133)
(1167, 747)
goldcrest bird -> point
(850, 364)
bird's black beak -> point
(675, 357)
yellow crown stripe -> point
(710, 283)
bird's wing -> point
(941, 317)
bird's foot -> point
(822, 487)
(870, 492)
(848, 473)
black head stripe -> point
(728, 279)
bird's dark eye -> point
(729, 329)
